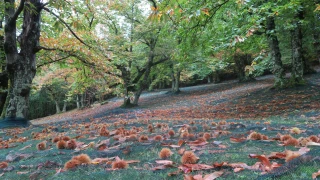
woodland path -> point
(227, 100)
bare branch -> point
(52, 61)
(63, 22)
(39, 48)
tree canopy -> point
(83, 52)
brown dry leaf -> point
(311, 143)
(237, 140)
(181, 151)
(165, 166)
(276, 155)
(174, 173)
(303, 150)
(315, 175)
(174, 146)
(29, 146)
(197, 177)
(216, 164)
(186, 168)
(239, 165)
(222, 146)
(197, 143)
(22, 172)
(165, 162)
(212, 176)
(92, 138)
(101, 160)
(122, 139)
(103, 145)
(265, 161)
(187, 177)
(181, 142)
(132, 161)
(238, 169)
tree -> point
(21, 65)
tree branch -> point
(52, 61)
(142, 71)
(17, 13)
(39, 48)
(153, 3)
(63, 22)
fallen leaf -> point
(132, 161)
(29, 146)
(277, 155)
(22, 172)
(238, 169)
(197, 177)
(187, 177)
(181, 151)
(212, 176)
(165, 162)
(197, 143)
(216, 164)
(101, 160)
(262, 158)
(311, 143)
(181, 142)
(237, 140)
(315, 175)
(165, 166)
(186, 168)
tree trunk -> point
(177, 83)
(3, 76)
(64, 109)
(144, 82)
(278, 71)
(173, 78)
(78, 101)
(57, 107)
(216, 76)
(125, 75)
(297, 56)
(82, 100)
(21, 66)
(241, 61)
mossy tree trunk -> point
(21, 65)
(278, 70)
(3, 76)
(175, 80)
(297, 55)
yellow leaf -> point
(206, 11)
(317, 8)
(153, 8)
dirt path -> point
(212, 101)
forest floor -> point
(227, 131)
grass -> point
(147, 153)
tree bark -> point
(57, 107)
(143, 83)
(78, 101)
(297, 57)
(176, 88)
(278, 71)
(3, 76)
(64, 109)
(21, 65)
